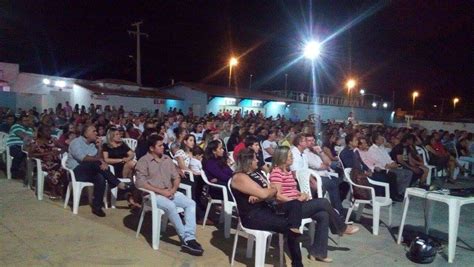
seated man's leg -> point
(403, 179)
(169, 207)
(110, 177)
(189, 206)
(86, 172)
(332, 186)
(379, 177)
(18, 158)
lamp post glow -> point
(455, 101)
(312, 50)
(362, 91)
(232, 62)
(414, 95)
(351, 83)
(46, 81)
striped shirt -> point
(14, 138)
(289, 186)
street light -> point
(351, 83)
(232, 62)
(414, 95)
(455, 101)
(312, 50)
(385, 105)
(374, 104)
(362, 91)
(46, 81)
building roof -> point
(116, 81)
(103, 90)
(213, 90)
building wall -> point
(8, 99)
(301, 111)
(192, 98)
(273, 109)
(9, 71)
(439, 125)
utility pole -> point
(250, 82)
(286, 84)
(138, 34)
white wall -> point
(438, 125)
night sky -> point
(396, 46)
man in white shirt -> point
(300, 161)
(319, 162)
(382, 161)
(268, 146)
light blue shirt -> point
(78, 150)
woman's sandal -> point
(351, 229)
(314, 258)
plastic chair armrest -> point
(386, 186)
(186, 188)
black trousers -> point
(390, 178)
(267, 220)
(89, 171)
(18, 158)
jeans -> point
(403, 179)
(321, 211)
(18, 158)
(267, 220)
(331, 185)
(89, 171)
(187, 231)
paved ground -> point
(42, 233)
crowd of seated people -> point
(172, 145)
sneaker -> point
(192, 247)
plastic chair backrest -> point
(339, 157)
(421, 151)
(131, 143)
(226, 140)
(303, 177)
(63, 165)
(3, 141)
(232, 195)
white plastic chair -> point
(158, 217)
(3, 146)
(76, 188)
(226, 140)
(421, 151)
(227, 204)
(40, 174)
(114, 191)
(376, 202)
(262, 239)
(188, 172)
(131, 143)
(9, 160)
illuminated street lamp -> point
(414, 95)
(232, 62)
(455, 101)
(350, 84)
(362, 91)
(46, 81)
(312, 50)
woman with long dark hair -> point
(252, 194)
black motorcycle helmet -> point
(422, 250)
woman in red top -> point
(318, 209)
(440, 158)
